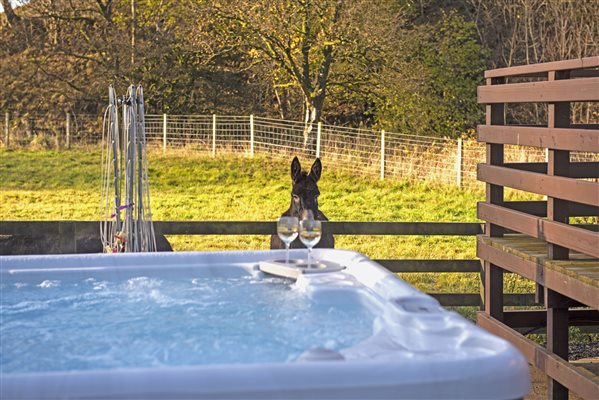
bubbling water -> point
(142, 321)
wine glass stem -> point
(309, 257)
(286, 253)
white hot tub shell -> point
(417, 350)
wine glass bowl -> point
(287, 230)
(310, 232)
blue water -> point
(93, 322)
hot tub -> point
(212, 325)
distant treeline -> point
(404, 65)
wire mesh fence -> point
(51, 131)
(362, 151)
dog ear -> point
(316, 170)
(296, 169)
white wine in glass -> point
(287, 229)
(310, 231)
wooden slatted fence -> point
(69, 231)
(563, 259)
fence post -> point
(67, 237)
(383, 154)
(252, 135)
(60, 135)
(213, 135)
(6, 129)
(458, 164)
(68, 131)
(318, 132)
(30, 130)
(163, 133)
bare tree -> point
(302, 40)
(105, 9)
(533, 31)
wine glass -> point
(310, 231)
(287, 230)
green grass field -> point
(47, 185)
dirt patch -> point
(539, 386)
(585, 355)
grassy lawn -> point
(47, 185)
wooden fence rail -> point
(250, 228)
(69, 231)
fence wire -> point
(411, 157)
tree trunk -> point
(313, 110)
(11, 17)
(309, 119)
(133, 23)
(279, 102)
(314, 102)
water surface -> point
(96, 322)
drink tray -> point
(297, 267)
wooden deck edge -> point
(576, 238)
(571, 286)
(577, 259)
(578, 379)
(563, 267)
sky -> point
(15, 3)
